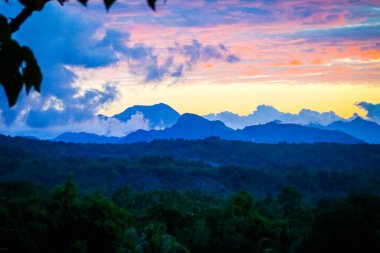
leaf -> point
(152, 4)
(10, 76)
(62, 2)
(13, 89)
(39, 4)
(5, 31)
(31, 72)
(34, 4)
(18, 67)
(109, 3)
(84, 2)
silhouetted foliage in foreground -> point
(18, 66)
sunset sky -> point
(202, 56)
(323, 55)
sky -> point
(201, 56)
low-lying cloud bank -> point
(96, 125)
(266, 113)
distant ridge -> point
(31, 137)
(166, 123)
(159, 115)
(191, 126)
(265, 113)
(273, 132)
(360, 128)
(71, 137)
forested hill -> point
(211, 165)
(215, 152)
(182, 196)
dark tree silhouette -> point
(18, 66)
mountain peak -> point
(276, 121)
(354, 117)
(189, 126)
(158, 115)
(190, 119)
(363, 129)
(359, 119)
(191, 116)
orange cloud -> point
(295, 63)
(208, 65)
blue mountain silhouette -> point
(159, 115)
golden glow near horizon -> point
(323, 59)
(199, 57)
(243, 98)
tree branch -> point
(20, 19)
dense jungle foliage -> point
(188, 196)
(35, 220)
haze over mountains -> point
(266, 113)
(160, 121)
(166, 123)
(191, 126)
(82, 137)
(365, 130)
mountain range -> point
(191, 126)
(365, 130)
(82, 137)
(265, 113)
(274, 132)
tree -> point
(18, 66)
(345, 225)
